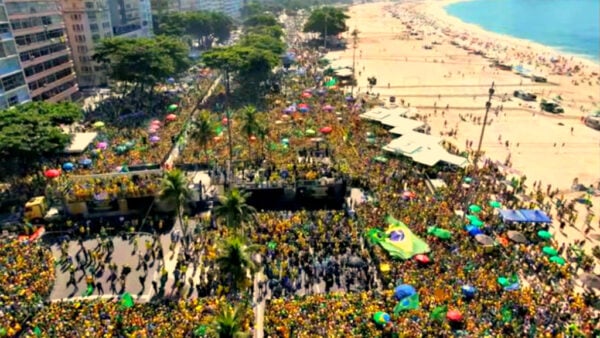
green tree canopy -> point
(143, 61)
(31, 131)
(201, 26)
(274, 31)
(263, 42)
(263, 19)
(326, 21)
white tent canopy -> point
(80, 142)
(424, 149)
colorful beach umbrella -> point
(558, 260)
(474, 208)
(172, 107)
(454, 316)
(326, 130)
(98, 125)
(550, 251)
(171, 117)
(52, 173)
(543, 234)
(495, 204)
(423, 259)
(310, 132)
(68, 166)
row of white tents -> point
(413, 142)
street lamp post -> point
(488, 106)
(354, 45)
(230, 145)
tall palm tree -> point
(235, 263)
(176, 193)
(229, 322)
(203, 131)
(249, 124)
(233, 209)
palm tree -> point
(235, 262)
(203, 131)
(176, 193)
(249, 125)
(229, 322)
(233, 209)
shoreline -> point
(437, 10)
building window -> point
(76, 17)
(94, 27)
(89, 5)
(42, 51)
(7, 48)
(82, 49)
(106, 25)
(13, 81)
(91, 15)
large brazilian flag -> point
(398, 240)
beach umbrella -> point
(467, 180)
(558, 260)
(423, 259)
(321, 92)
(474, 208)
(306, 95)
(102, 145)
(484, 239)
(477, 222)
(310, 132)
(468, 291)
(328, 107)
(171, 117)
(326, 130)
(288, 110)
(68, 166)
(155, 123)
(52, 173)
(285, 140)
(85, 162)
(404, 290)
(454, 316)
(473, 230)
(98, 125)
(495, 204)
(550, 251)
(439, 232)
(543, 234)
(381, 318)
(590, 280)
(380, 159)
(516, 237)
(303, 109)
(172, 107)
(472, 218)
(154, 139)
(349, 99)
(171, 80)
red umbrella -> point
(422, 259)
(155, 122)
(326, 130)
(171, 117)
(306, 95)
(327, 107)
(225, 121)
(52, 173)
(454, 316)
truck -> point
(551, 107)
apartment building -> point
(229, 7)
(13, 88)
(39, 34)
(90, 21)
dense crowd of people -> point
(27, 271)
(301, 251)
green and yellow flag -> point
(398, 240)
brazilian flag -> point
(408, 303)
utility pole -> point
(488, 106)
(354, 45)
(230, 144)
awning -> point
(525, 216)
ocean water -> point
(572, 26)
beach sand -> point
(552, 148)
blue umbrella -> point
(68, 166)
(403, 291)
(171, 80)
(468, 291)
(85, 162)
(475, 231)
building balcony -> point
(18, 16)
(35, 45)
(44, 58)
(52, 85)
(65, 95)
(38, 29)
(47, 72)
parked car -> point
(525, 96)
(551, 107)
